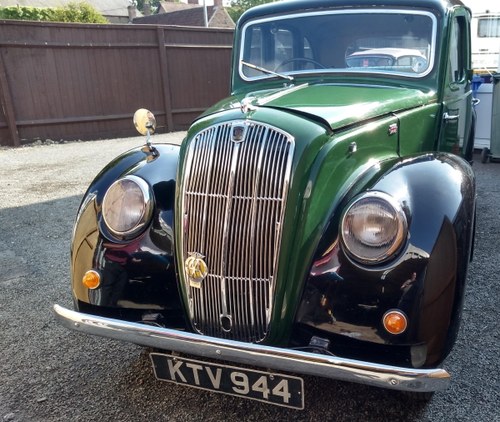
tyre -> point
(485, 155)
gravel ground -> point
(51, 374)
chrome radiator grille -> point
(233, 197)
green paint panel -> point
(324, 171)
(337, 105)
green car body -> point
(286, 229)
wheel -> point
(485, 155)
(299, 59)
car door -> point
(457, 98)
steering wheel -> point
(300, 59)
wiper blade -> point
(267, 71)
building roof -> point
(168, 6)
(188, 15)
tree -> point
(79, 12)
(73, 12)
(140, 4)
(239, 6)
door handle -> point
(450, 117)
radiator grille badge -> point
(238, 133)
(196, 269)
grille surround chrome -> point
(233, 199)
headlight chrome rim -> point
(144, 214)
(387, 250)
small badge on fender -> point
(393, 129)
(196, 269)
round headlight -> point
(127, 206)
(373, 228)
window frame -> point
(335, 71)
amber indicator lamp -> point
(91, 279)
(395, 321)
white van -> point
(485, 30)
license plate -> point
(278, 389)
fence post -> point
(167, 98)
(7, 104)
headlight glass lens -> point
(373, 228)
(126, 208)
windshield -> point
(392, 42)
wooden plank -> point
(83, 119)
(84, 81)
(8, 104)
(165, 79)
(89, 45)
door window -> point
(458, 48)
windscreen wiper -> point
(267, 71)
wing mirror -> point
(145, 123)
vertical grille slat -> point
(233, 199)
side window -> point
(289, 47)
(256, 51)
(458, 50)
(275, 48)
(283, 45)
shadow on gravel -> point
(35, 239)
(326, 400)
(51, 374)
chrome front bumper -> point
(407, 379)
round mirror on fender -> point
(144, 121)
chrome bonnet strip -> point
(378, 375)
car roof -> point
(297, 6)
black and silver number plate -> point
(279, 389)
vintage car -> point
(318, 221)
(402, 58)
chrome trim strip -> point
(378, 375)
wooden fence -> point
(74, 81)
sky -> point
(478, 6)
(475, 5)
(210, 2)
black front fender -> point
(348, 300)
(441, 198)
(138, 275)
